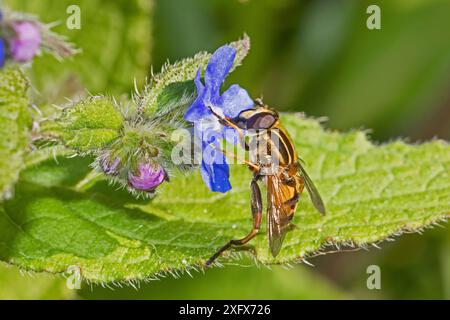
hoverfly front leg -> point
(256, 207)
(252, 166)
(227, 122)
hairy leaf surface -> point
(60, 219)
(15, 123)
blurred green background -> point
(316, 57)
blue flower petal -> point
(197, 111)
(2, 52)
(216, 175)
(198, 82)
(214, 168)
(211, 131)
(234, 101)
(217, 69)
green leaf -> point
(89, 124)
(15, 123)
(115, 39)
(175, 80)
(372, 193)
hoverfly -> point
(283, 174)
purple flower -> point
(26, 42)
(148, 177)
(214, 168)
(2, 52)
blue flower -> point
(2, 52)
(214, 168)
(2, 46)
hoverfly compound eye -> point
(263, 120)
(241, 119)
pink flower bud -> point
(27, 41)
(110, 167)
(148, 177)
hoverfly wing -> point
(276, 236)
(312, 190)
(281, 203)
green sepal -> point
(90, 124)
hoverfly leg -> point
(251, 165)
(227, 122)
(256, 207)
(256, 202)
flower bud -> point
(25, 45)
(109, 166)
(148, 177)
